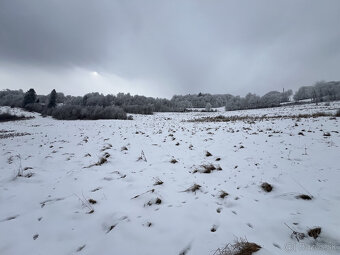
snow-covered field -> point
(47, 210)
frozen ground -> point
(46, 211)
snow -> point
(52, 202)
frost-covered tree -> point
(30, 97)
(52, 100)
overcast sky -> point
(160, 48)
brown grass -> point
(101, 161)
(304, 197)
(193, 188)
(207, 169)
(158, 182)
(314, 232)
(111, 228)
(240, 247)
(156, 201)
(173, 161)
(223, 194)
(247, 118)
(92, 201)
(266, 187)
(11, 135)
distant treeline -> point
(320, 92)
(99, 106)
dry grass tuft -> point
(101, 161)
(223, 194)
(208, 154)
(304, 197)
(213, 229)
(173, 161)
(142, 157)
(266, 187)
(314, 232)
(193, 188)
(158, 182)
(92, 201)
(156, 201)
(207, 169)
(111, 228)
(11, 135)
(240, 247)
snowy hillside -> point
(123, 187)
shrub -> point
(10, 117)
(337, 114)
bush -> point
(10, 117)
(35, 107)
(337, 114)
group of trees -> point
(99, 106)
(200, 100)
(321, 91)
(60, 107)
(253, 101)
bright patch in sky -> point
(94, 73)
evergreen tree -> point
(52, 100)
(30, 97)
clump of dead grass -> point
(240, 246)
(295, 234)
(304, 197)
(92, 201)
(266, 187)
(207, 168)
(156, 201)
(223, 194)
(142, 157)
(314, 232)
(158, 181)
(103, 159)
(173, 161)
(193, 188)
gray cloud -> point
(162, 48)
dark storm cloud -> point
(182, 46)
